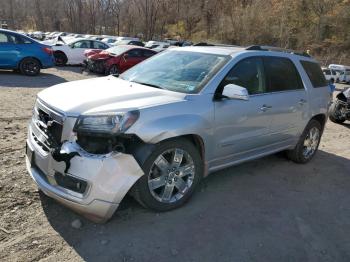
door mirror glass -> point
(232, 91)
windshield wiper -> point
(148, 84)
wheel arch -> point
(321, 118)
(143, 150)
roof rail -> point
(276, 49)
(210, 44)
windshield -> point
(117, 50)
(180, 71)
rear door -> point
(318, 89)
(288, 104)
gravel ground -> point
(266, 210)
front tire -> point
(308, 143)
(30, 67)
(113, 70)
(172, 172)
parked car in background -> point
(330, 74)
(343, 72)
(22, 53)
(157, 46)
(109, 40)
(120, 38)
(159, 128)
(72, 52)
(116, 60)
(129, 42)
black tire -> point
(297, 155)
(333, 116)
(146, 197)
(30, 67)
(60, 58)
(113, 70)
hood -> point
(105, 94)
(100, 55)
(90, 52)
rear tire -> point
(30, 67)
(172, 172)
(60, 58)
(308, 143)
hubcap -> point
(171, 175)
(31, 67)
(311, 142)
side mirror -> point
(125, 56)
(232, 91)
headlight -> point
(108, 123)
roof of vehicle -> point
(232, 50)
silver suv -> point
(158, 129)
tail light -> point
(48, 50)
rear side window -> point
(314, 72)
(281, 75)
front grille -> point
(96, 66)
(47, 126)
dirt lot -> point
(265, 210)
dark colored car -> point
(19, 52)
(117, 59)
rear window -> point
(313, 70)
(281, 74)
(326, 71)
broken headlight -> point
(107, 123)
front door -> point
(242, 127)
(9, 51)
(77, 51)
(132, 58)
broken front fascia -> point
(109, 177)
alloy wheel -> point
(311, 142)
(171, 175)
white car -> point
(157, 46)
(109, 40)
(72, 52)
(330, 74)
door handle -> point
(302, 102)
(264, 108)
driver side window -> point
(247, 73)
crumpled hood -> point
(105, 94)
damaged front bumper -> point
(93, 185)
